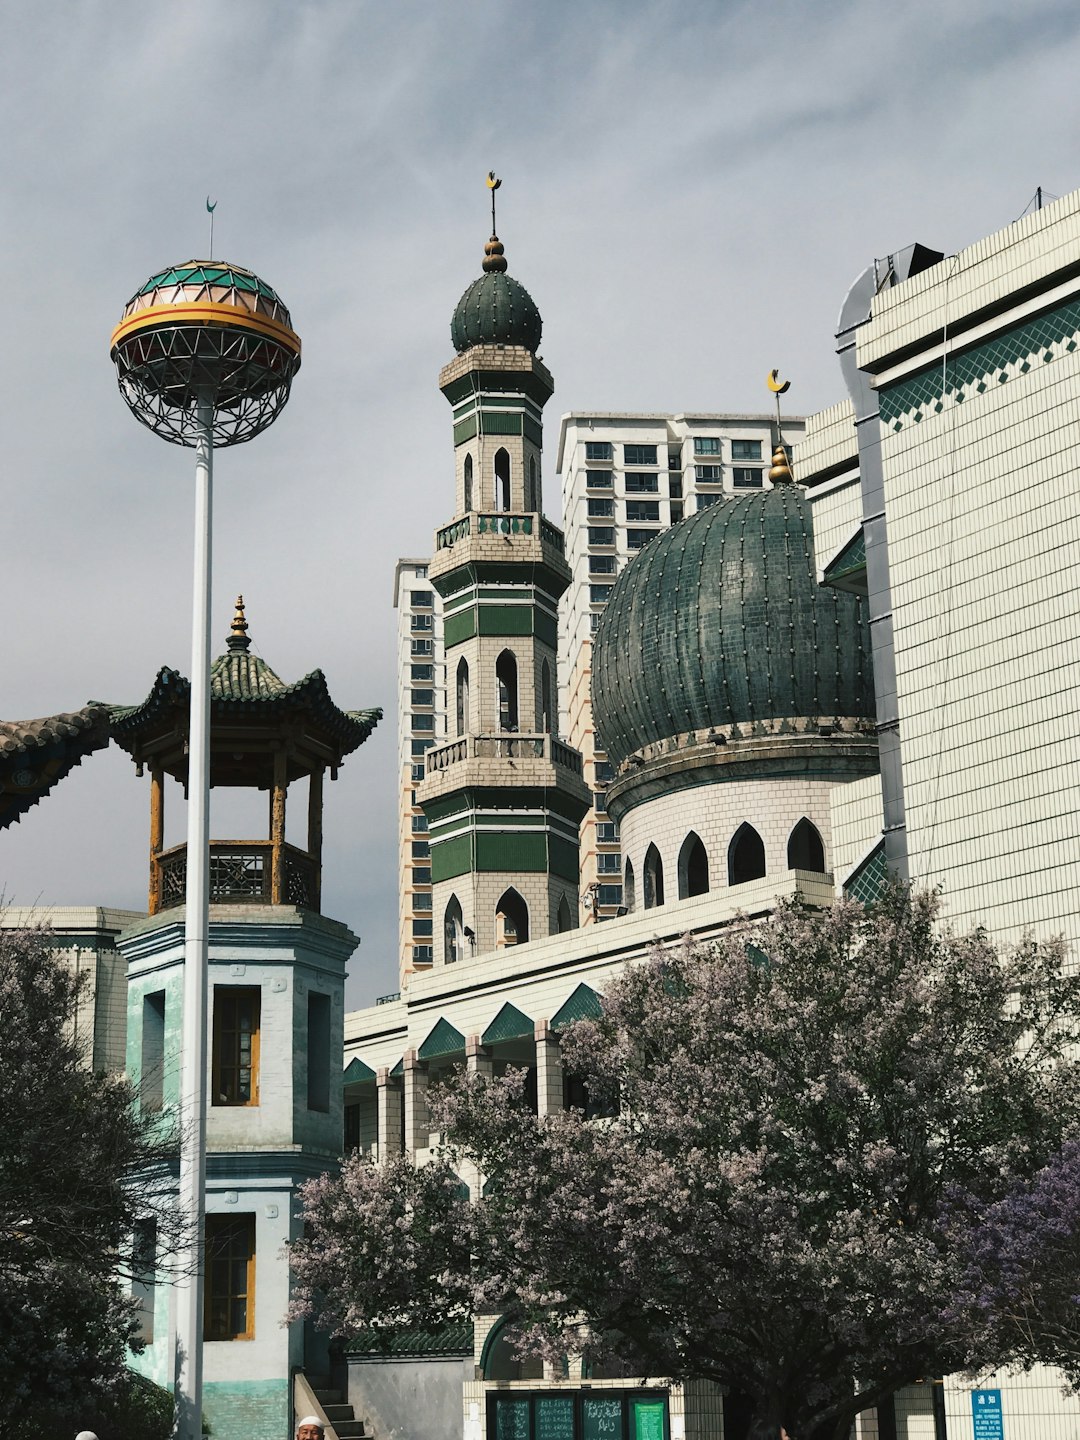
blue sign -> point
(986, 1415)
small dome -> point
(209, 281)
(496, 309)
(720, 621)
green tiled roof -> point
(847, 569)
(209, 272)
(450, 1340)
(867, 880)
(720, 621)
(443, 1040)
(36, 754)
(356, 1072)
(509, 1024)
(583, 1004)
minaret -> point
(503, 796)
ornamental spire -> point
(238, 636)
(494, 258)
(780, 474)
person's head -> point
(310, 1428)
(86, 1435)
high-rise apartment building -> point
(421, 722)
(624, 479)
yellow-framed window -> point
(229, 1306)
(236, 1045)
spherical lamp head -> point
(205, 330)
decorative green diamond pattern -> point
(867, 881)
(1000, 360)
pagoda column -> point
(157, 836)
(315, 834)
(277, 825)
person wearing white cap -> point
(310, 1428)
(86, 1435)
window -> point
(653, 873)
(421, 929)
(598, 509)
(421, 622)
(423, 697)
(706, 445)
(609, 863)
(229, 1308)
(511, 920)
(423, 672)
(598, 594)
(805, 850)
(598, 450)
(318, 1052)
(607, 832)
(421, 875)
(418, 772)
(676, 511)
(419, 747)
(704, 500)
(643, 510)
(152, 1060)
(422, 955)
(675, 486)
(422, 900)
(423, 722)
(599, 802)
(601, 564)
(502, 479)
(144, 1276)
(419, 824)
(636, 539)
(598, 479)
(601, 535)
(708, 474)
(547, 712)
(745, 479)
(532, 505)
(638, 484)
(421, 599)
(236, 1044)
(609, 895)
(462, 705)
(639, 454)
(746, 856)
(746, 449)
(453, 932)
(605, 772)
(594, 622)
(693, 868)
(506, 683)
(420, 849)
(468, 483)
(628, 885)
(422, 647)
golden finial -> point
(780, 474)
(238, 636)
(494, 258)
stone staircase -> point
(338, 1413)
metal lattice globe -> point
(205, 330)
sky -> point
(688, 191)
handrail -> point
(504, 745)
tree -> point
(74, 1160)
(813, 1114)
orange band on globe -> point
(205, 313)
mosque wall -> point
(855, 819)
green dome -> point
(720, 622)
(496, 310)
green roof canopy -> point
(509, 1024)
(356, 1073)
(443, 1040)
(583, 1004)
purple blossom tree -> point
(772, 1203)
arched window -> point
(547, 718)
(462, 696)
(506, 683)
(532, 505)
(745, 856)
(511, 919)
(628, 894)
(498, 1361)
(453, 932)
(653, 873)
(693, 867)
(468, 483)
(564, 919)
(805, 850)
(502, 479)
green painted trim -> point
(489, 1344)
(497, 422)
(509, 1024)
(450, 858)
(465, 430)
(583, 1004)
(504, 620)
(546, 629)
(513, 382)
(534, 432)
(459, 628)
(443, 1039)
(564, 858)
(498, 851)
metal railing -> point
(505, 745)
(500, 523)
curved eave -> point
(35, 755)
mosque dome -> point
(496, 309)
(720, 625)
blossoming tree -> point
(807, 1122)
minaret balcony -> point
(505, 759)
(242, 872)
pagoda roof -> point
(36, 754)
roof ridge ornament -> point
(238, 636)
(494, 254)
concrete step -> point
(349, 1429)
(327, 1396)
(334, 1413)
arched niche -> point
(511, 919)
(502, 479)
(652, 876)
(564, 918)
(462, 687)
(629, 893)
(547, 700)
(506, 686)
(468, 483)
(805, 848)
(453, 932)
(693, 867)
(746, 856)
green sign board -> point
(601, 1418)
(554, 1417)
(648, 1420)
(512, 1418)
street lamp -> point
(205, 356)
